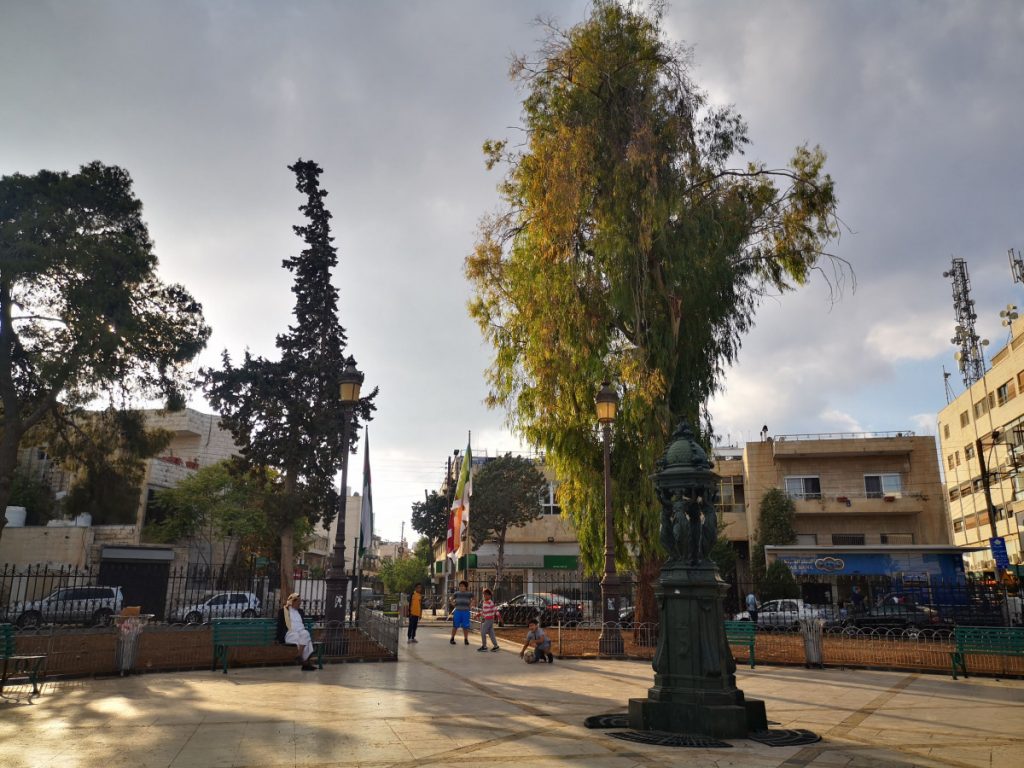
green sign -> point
(561, 562)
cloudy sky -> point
(918, 104)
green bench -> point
(742, 633)
(18, 666)
(987, 641)
(249, 633)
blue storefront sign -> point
(934, 565)
(998, 545)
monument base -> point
(717, 720)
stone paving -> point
(450, 705)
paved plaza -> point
(445, 705)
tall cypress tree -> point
(286, 414)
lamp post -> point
(351, 379)
(610, 642)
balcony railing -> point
(842, 435)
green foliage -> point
(401, 575)
(423, 551)
(83, 315)
(430, 517)
(776, 523)
(506, 494)
(286, 415)
(629, 248)
(779, 582)
(35, 496)
(723, 553)
(106, 452)
(217, 505)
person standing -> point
(460, 616)
(857, 599)
(291, 630)
(752, 607)
(487, 616)
(415, 611)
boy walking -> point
(415, 611)
(487, 615)
(460, 616)
(541, 644)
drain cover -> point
(663, 739)
(784, 738)
(607, 721)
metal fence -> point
(45, 595)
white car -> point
(71, 605)
(220, 605)
(786, 612)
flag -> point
(366, 511)
(458, 522)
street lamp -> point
(610, 642)
(350, 380)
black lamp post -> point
(351, 379)
(610, 642)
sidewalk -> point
(446, 705)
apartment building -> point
(985, 426)
(852, 489)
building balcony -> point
(849, 504)
(843, 444)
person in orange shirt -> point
(415, 611)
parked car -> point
(626, 617)
(897, 615)
(786, 613)
(71, 605)
(220, 605)
(547, 607)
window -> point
(1018, 487)
(549, 500)
(954, 494)
(958, 526)
(950, 460)
(877, 486)
(1005, 393)
(976, 485)
(848, 539)
(804, 487)
(980, 409)
(1020, 381)
(945, 430)
(965, 419)
(968, 451)
(897, 538)
(957, 455)
(999, 513)
(730, 494)
(807, 538)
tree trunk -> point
(499, 565)
(8, 464)
(645, 609)
(288, 560)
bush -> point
(779, 582)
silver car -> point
(220, 605)
(71, 605)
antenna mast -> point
(1016, 266)
(970, 357)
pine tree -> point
(286, 414)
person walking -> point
(752, 607)
(291, 630)
(488, 612)
(460, 616)
(415, 611)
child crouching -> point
(541, 644)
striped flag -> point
(458, 522)
(366, 511)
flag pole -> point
(469, 480)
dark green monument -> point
(695, 676)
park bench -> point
(742, 633)
(986, 641)
(249, 633)
(15, 666)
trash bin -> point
(812, 632)
(129, 628)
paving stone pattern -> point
(443, 705)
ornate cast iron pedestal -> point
(695, 676)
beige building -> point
(991, 413)
(849, 489)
